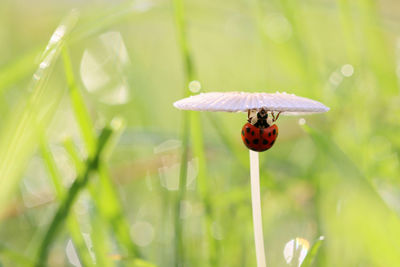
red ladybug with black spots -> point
(257, 134)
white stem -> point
(256, 203)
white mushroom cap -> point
(289, 104)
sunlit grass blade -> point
(108, 204)
(73, 154)
(51, 167)
(191, 122)
(101, 246)
(108, 207)
(20, 134)
(312, 253)
(202, 182)
(112, 212)
(142, 263)
(188, 76)
(81, 113)
(119, 224)
(19, 68)
(72, 221)
(64, 210)
(179, 247)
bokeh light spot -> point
(278, 28)
(347, 70)
(194, 86)
(142, 233)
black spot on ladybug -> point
(248, 130)
(272, 143)
(247, 141)
(252, 133)
(274, 132)
(269, 134)
(255, 141)
(265, 142)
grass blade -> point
(198, 151)
(21, 131)
(72, 221)
(23, 66)
(80, 183)
(312, 254)
(51, 167)
(78, 105)
(101, 246)
(179, 248)
(189, 75)
(108, 204)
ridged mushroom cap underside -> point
(288, 104)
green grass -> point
(70, 197)
(121, 205)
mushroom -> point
(258, 134)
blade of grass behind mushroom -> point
(192, 124)
(203, 185)
(179, 253)
(72, 221)
(108, 204)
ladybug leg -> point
(274, 119)
(273, 116)
(249, 118)
(277, 116)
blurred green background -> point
(72, 69)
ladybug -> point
(257, 134)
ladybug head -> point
(262, 119)
(262, 113)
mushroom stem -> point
(256, 205)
